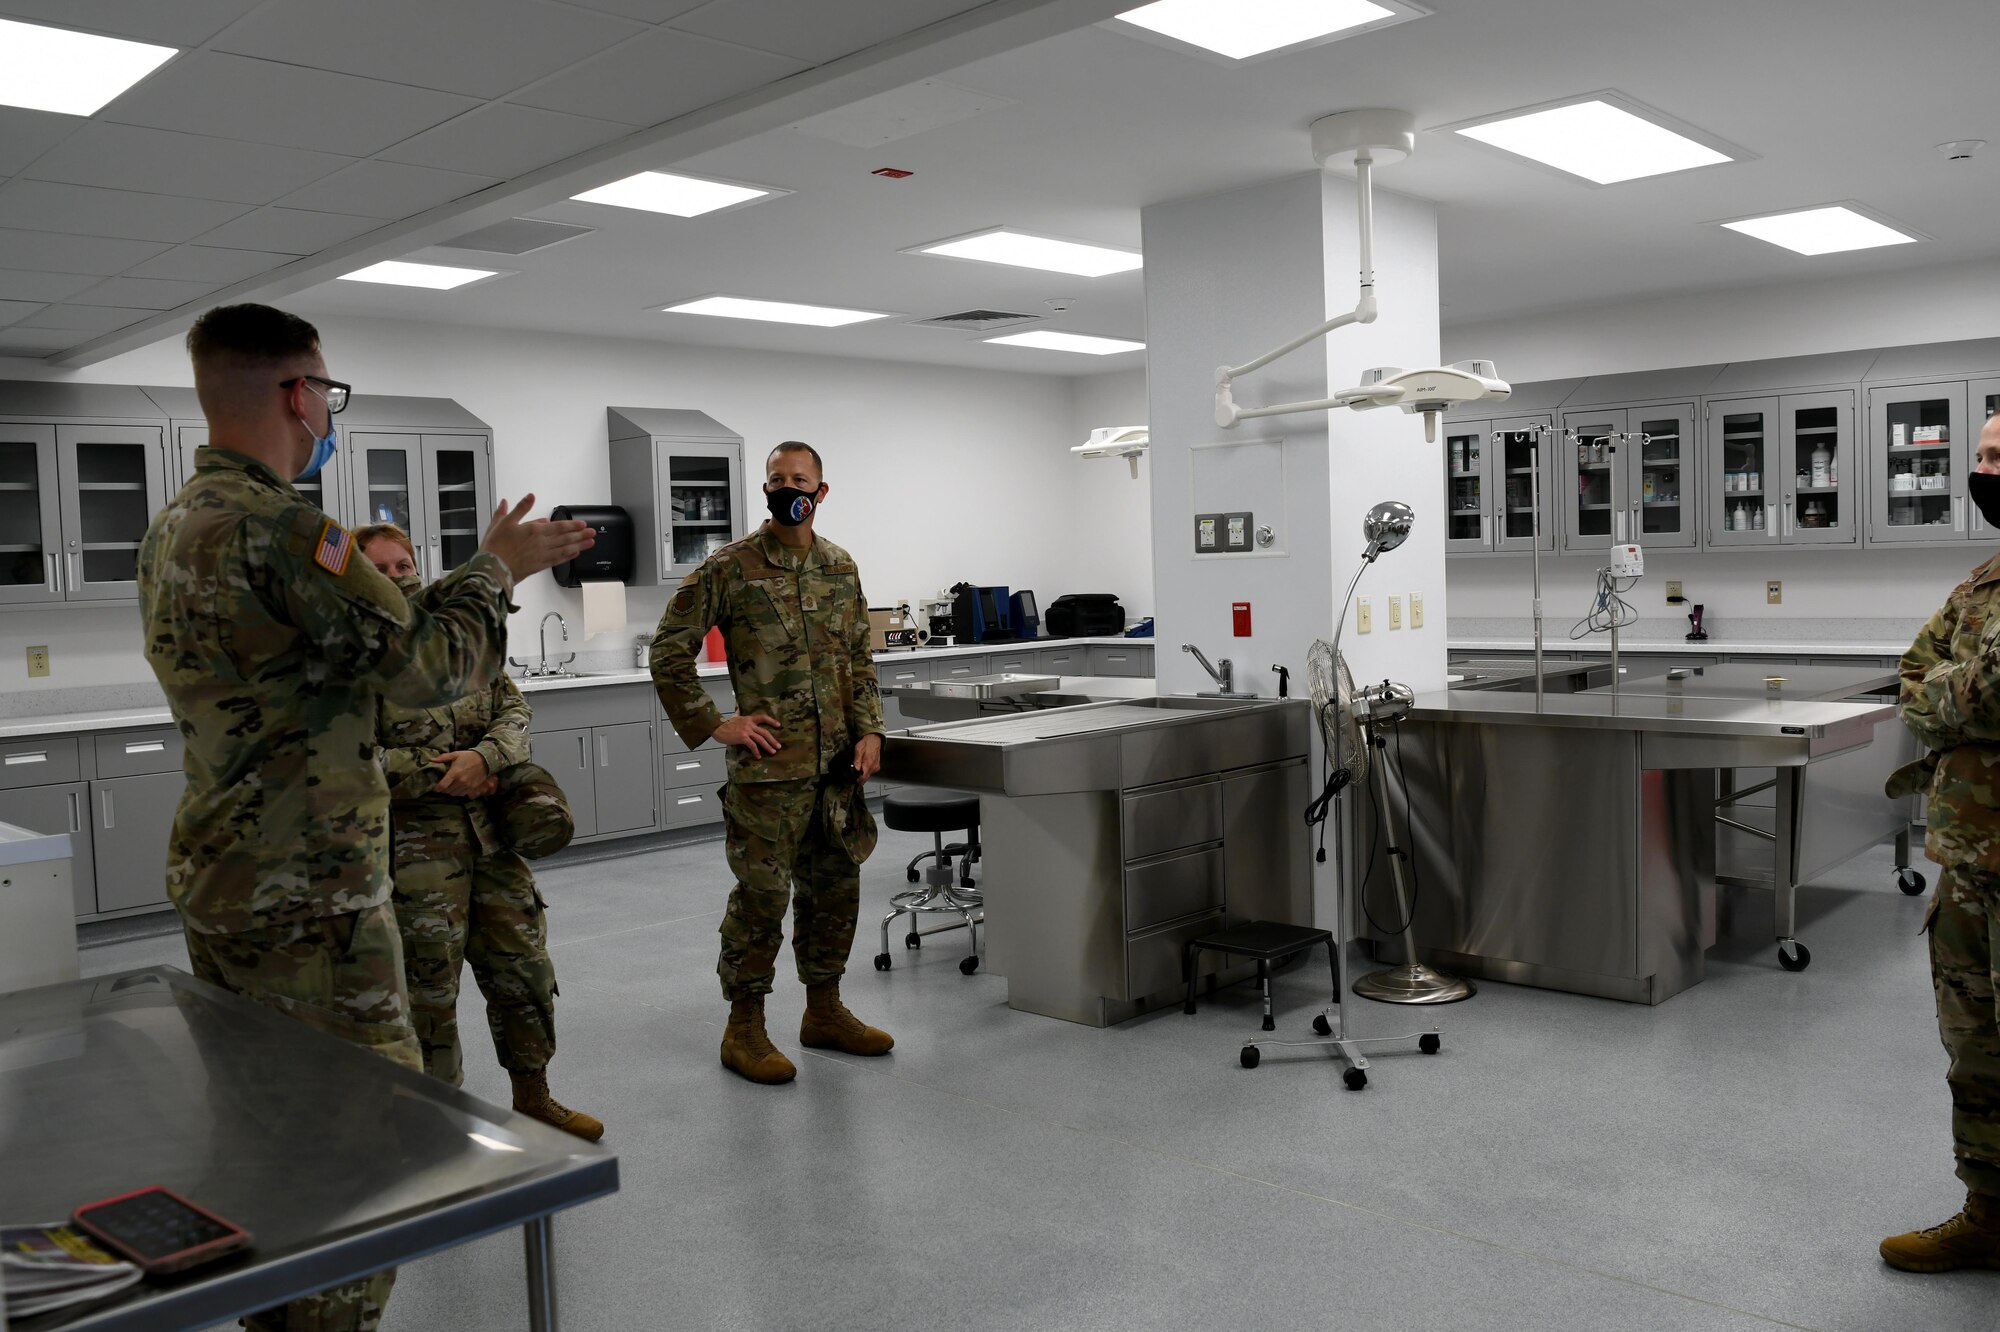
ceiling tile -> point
(182, 23)
(814, 30)
(386, 190)
(90, 318)
(158, 161)
(144, 293)
(289, 231)
(25, 135)
(292, 105)
(483, 51)
(657, 78)
(13, 312)
(40, 205)
(56, 252)
(19, 341)
(652, 11)
(19, 284)
(203, 263)
(504, 141)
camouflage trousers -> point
(784, 845)
(342, 975)
(1964, 929)
(483, 910)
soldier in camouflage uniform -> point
(790, 608)
(461, 893)
(1951, 700)
(272, 640)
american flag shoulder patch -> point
(336, 544)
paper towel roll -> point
(603, 608)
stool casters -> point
(881, 961)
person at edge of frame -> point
(272, 641)
(461, 893)
(1950, 698)
(797, 827)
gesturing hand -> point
(526, 547)
(756, 733)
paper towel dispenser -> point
(610, 560)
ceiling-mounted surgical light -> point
(1127, 442)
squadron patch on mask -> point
(336, 545)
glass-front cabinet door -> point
(1917, 451)
(1661, 481)
(1592, 488)
(112, 479)
(387, 480)
(1817, 456)
(458, 498)
(1512, 447)
(1745, 483)
(1468, 506)
(703, 499)
(30, 530)
(1984, 399)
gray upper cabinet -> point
(437, 487)
(113, 479)
(1783, 471)
(681, 476)
(1920, 443)
(187, 431)
(1630, 476)
(30, 522)
(1468, 508)
(1523, 452)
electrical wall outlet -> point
(38, 660)
(1363, 620)
(1416, 610)
(1673, 590)
(1774, 592)
(1395, 611)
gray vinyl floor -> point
(1725, 1161)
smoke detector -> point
(1960, 150)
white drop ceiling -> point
(307, 137)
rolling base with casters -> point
(1350, 1051)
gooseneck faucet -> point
(1222, 673)
(544, 636)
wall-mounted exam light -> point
(1127, 442)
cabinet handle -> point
(28, 756)
(76, 571)
(1957, 514)
(146, 747)
(689, 800)
(603, 752)
(583, 753)
(53, 589)
(1788, 517)
(75, 814)
(110, 821)
(666, 550)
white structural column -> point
(1228, 277)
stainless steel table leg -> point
(541, 1248)
(1792, 955)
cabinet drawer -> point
(1063, 661)
(1153, 960)
(894, 672)
(1169, 889)
(129, 753)
(39, 762)
(1164, 821)
(690, 806)
(590, 705)
(1133, 661)
(1022, 661)
(958, 668)
(706, 768)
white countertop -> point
(63, 723)
(1602, 643)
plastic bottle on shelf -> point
(1757, 518)
(1822, 465)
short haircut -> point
(796, 446)
(231, 344)
(377, 531)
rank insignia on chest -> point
(807, 602)
(336, 543)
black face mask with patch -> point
(1984, 487)
(789, 505)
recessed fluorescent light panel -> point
(1018, 249)
(51, 69)
(677, 196)
(774, 312)
(1045, 340)
(1602, 137)
(402, 273)
(1240, 29)
(1825, 230)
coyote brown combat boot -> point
(531, 1098)
(828, 1025)
(1970, 1239)
(748, 1051)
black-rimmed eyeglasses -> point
(336, 392)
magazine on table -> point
(53, 1266)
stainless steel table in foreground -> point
(337, 1162)
(1572, 846)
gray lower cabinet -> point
(1071, 660)
(1128, 661)
(60, 809)
(958, 668)
(566, 754)
(131, 820)
(1013, 661)
(624, 777)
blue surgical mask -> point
(322, 446)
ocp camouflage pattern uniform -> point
(461, 894)
(1950, 699)
(273, 638)
(796, 628)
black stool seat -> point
(1265, 942)
(930, 811)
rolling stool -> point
(937, 813)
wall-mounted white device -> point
(1627, 562)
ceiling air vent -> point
(976, 321)
(517, 235)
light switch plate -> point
(1363, 620)
(1395, 611)
(1774, 592)
(1416, 610)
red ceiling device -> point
(892, 173)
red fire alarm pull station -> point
(1240, 611)
(892, 173)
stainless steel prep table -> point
(1112, 833)
(1571, 845)
(337, 1162)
